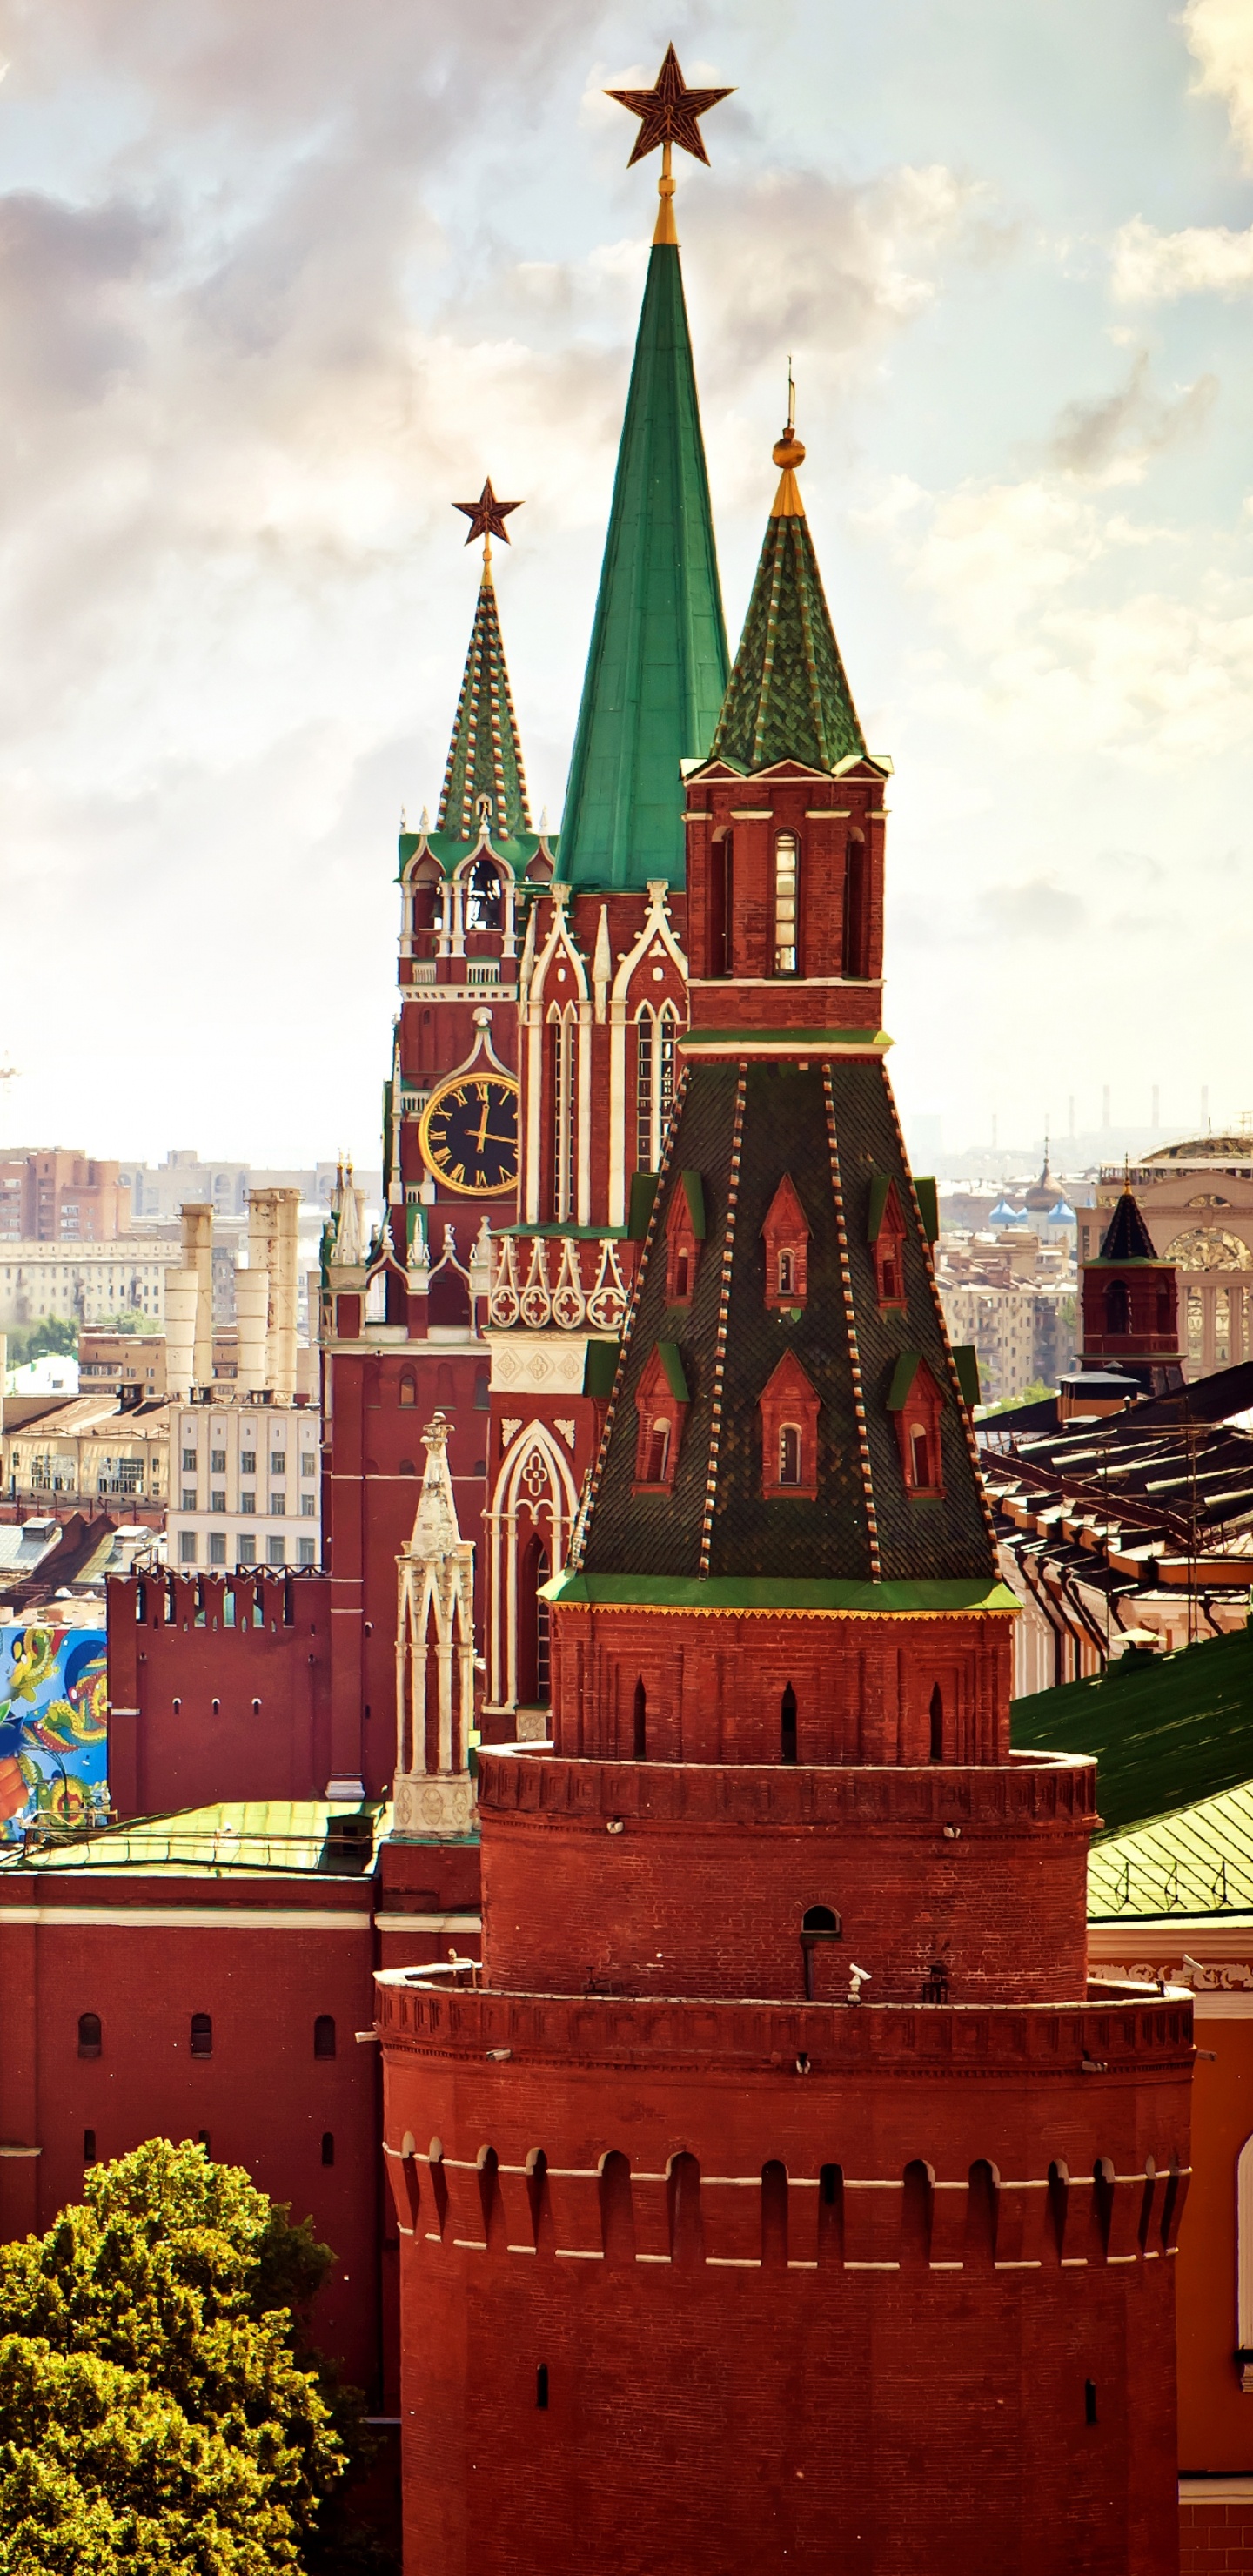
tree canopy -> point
(159, 2414)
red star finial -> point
(669, 112)
(487, 515)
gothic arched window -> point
(484, 897)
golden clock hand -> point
(487, 1111)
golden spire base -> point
(487, 563)
(664, 229)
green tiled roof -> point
(780, 1592)
(1166, 1730)
(484, 756)
(1198, 1860)
(657, 665)
(267, 1834)
(788, 697)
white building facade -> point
(245, 1483)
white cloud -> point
(1220, 35)
(1149, 267)
(1114, 439)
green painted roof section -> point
(788, 697)
(966, 1363)
(668, 1354)
(658, 661)
(1166, 1730)
(449, 848)
(305, 1836)
(768, 1592)
(786, 1041)
(600, 1367)
(903, 1375)
(928, 1198)
(1198, 1860)
(880, 1191)
(694, 1193)
(485, 755)
(640, 1204)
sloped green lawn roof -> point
(1166, 1731)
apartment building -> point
(47, 1196)
(82, 1282)
(246, 1484)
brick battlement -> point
(1118, 2029)
(1030, 1789)
(783, 2219)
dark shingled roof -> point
(784, 1130)
(788, 697)
(1127, 1236)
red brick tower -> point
(402, 1317)
(1131, 1306)
(782, 2195)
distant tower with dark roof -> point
(778, 2194)
(1130, 1304)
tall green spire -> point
(788, 697)
(657, 667)
(485, 755)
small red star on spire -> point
(487, 515)
(669, 112)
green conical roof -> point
(485, 756)
(657, 667)
(788, 697)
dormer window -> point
(786, 869)
(785, 1235)
(685, 1232)
(886, 1231)
(661, 1402)
(789, 1407)
(915, 1399)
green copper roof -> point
(1166, 1729)
(657, 666)
(484, 756)
(788, 698)
(924, 1599)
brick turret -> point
(781, 2194)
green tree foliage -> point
(159, 2412)
(33, 1341)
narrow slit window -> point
(658, 1453)
(1089, 2401)
(787, 1725)
(90, 2036)
(785, 873)
(324, 2035)
(541, 2387)
(919, 1459)
(787, 1272)
(89, 2146)
(639, 1723)
(328, 2146)
(202, 2035)
(790, 1455)
(937, 1724)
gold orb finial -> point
(788, 451)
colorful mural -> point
(53, 1735)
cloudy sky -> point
(278, 283)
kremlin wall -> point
(604, 1892)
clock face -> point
(469, 1134)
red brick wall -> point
(1216, 2539)
(714, 1685)
(218, 1688)
(748, 2377)
(676, 1879)
(784, 804)
(262, 2096)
